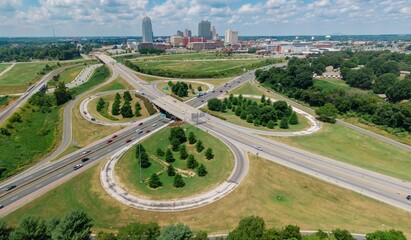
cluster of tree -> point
(148, 105)
(199, 74)
(125, 110)
(265, 113)
(74, 225)
(180, 88)
(62, 94)
(30, 52)
(368, 107)
(151, 51)
(254, 228)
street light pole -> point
(139, 157)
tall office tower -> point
(204, 29)
(180, 33)
(213, 33)
(187, 33)
(231, 37)
(147, 30)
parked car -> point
(78, 166)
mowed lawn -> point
(20, 77)
(219, 168)
(198, 56)
(344, 144)
(4, 67)
(69, 75)
(331, 84)
(190, 93)
(280, 195)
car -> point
(409, 197)
(110, 141)
(202, 100)
(148, 131)
(10, 187)
(154, 124)
(93, 119)
(268, 90)
(85, 159)
(85, 112)
(78, 166)
(259, 148)
(213, 90)
(128, 140)
(221, 90)
(140, 124)
(87, 151)
(1, 206)
(238, 81)
(114, 136)
(139, 131)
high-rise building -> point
(147, 30)
(231, 37)
(213, 33)
(187, 33)
(204, 29)
(180, 33)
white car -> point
(259, 148)
(78, 166)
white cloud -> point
(250, 9)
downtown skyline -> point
(37, 18)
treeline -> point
(265, 113)
(77, 225)
(296, 82)
(30, 52)
(189, 74)
(151, 51)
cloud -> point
(250, 9)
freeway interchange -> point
(377, 186)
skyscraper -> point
(231, 37)
(204, 29)
(187, 33)
(213, 33)
(147, 30)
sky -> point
(38, 18)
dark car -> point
(128, 140)
(213, 90)
(409, 197)
(1, 206)
(140, 124)
(110, 141)
(147, 131)
(10, 187)
(114, 136)
(85, 159)
(221, 90)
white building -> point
(176, 41)
(231, 37)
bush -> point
(160, 152)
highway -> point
(377, 186)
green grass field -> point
(331, 84)
(117, 84)
(4, 100)
(346, 145)
(280, 195)
(29, 140)
(100, 75)
(248, 88)
(197, 69)
(69, 75)
(4, 67)
(197, 56)
(218, 168)
(20, 77)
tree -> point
(30, 228)
(137, 230)
(291, 232)
(199, 88)
(178, 181)
(176, 232)
(127, 96)
(169, 156)
(214, 104)
(137, 109)
(192, 138)
(386, 235)
(191, 162)
(61, 94)
(250, 118)
(201, 235)
(160, 152)
(293, 119)
(171, 171)
(383, 82)
(178, 133)
(100, 104)
(145, 163)
(202, 171)
(327, 113)
(284, 123)
(400, 90)
(4, 230)
(74, 225)
(154, 181)
(117, 97)
(209, 154)
(115, 109)
(199, 146)
(263, 99)
(271, 124)
(180, 89)
(126, 111)
(183, 152)
(339, 234)
(249, 228)
(175, 144)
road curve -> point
(110, 185)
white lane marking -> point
(13, 198)
(61, 174)
(38, 185)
